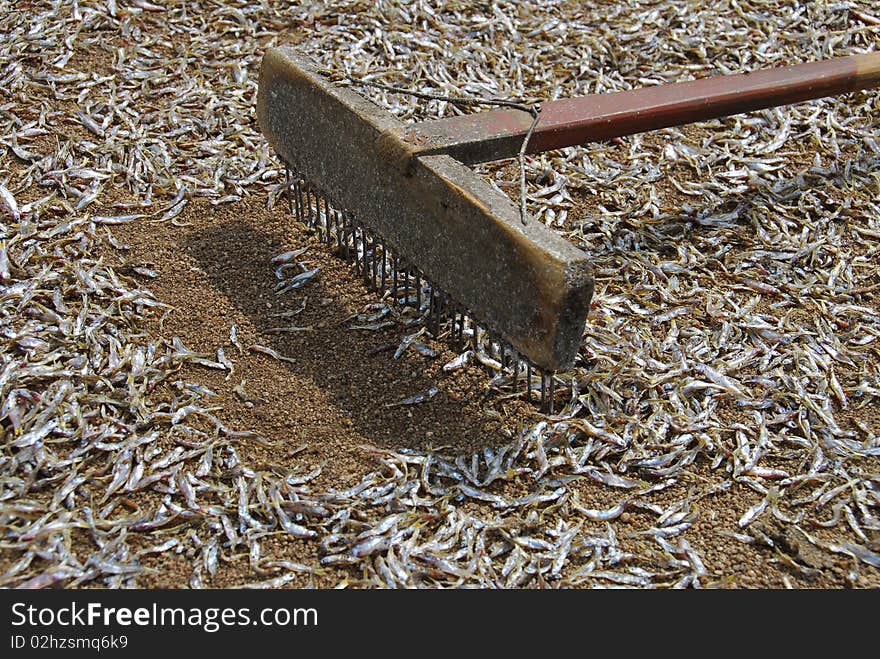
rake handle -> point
(498, 134)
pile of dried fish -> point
(732, 345)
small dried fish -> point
(264, 350)
(459, 361)
(415, 400)
(298, 281)
(407, 341)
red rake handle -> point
(498, 134)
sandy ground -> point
(331, 402)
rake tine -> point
(529, 381)
(405, 286)
(515, 363)
(442, 307)
(461, 319)
(326, 220)
(365, 273)
(358, 252)
(346, 236)
(316, 195)
(373, 265)
(342, 237)
(384, 261)
(316, 200)
(287, 190)
(297, 189)
(362, 250)
(438, 308)
(432, 312)
(316, 218)
(373, 256)
(366, 254)
(452, 329)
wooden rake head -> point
(522, 282)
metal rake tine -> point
(405, 285)
(384, 262)
(441, 307)
(436, 311)
(288, 192)
(297, 189)
(461, 319)
(316, 201)
(340, 237)
(364, 254)
(373, 256)
(355, 236)
(432, 304)
(319, 221)
(515, 359)
(346, 236)
(307, 207)
(326, 236)
(529, 381)
(316, 218)
(453, 331)
(354, 245)
(370, 245)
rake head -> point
(426, 222)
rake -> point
(401, 203)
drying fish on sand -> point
(717, 427)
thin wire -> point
(533, 110)
(536, 115)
